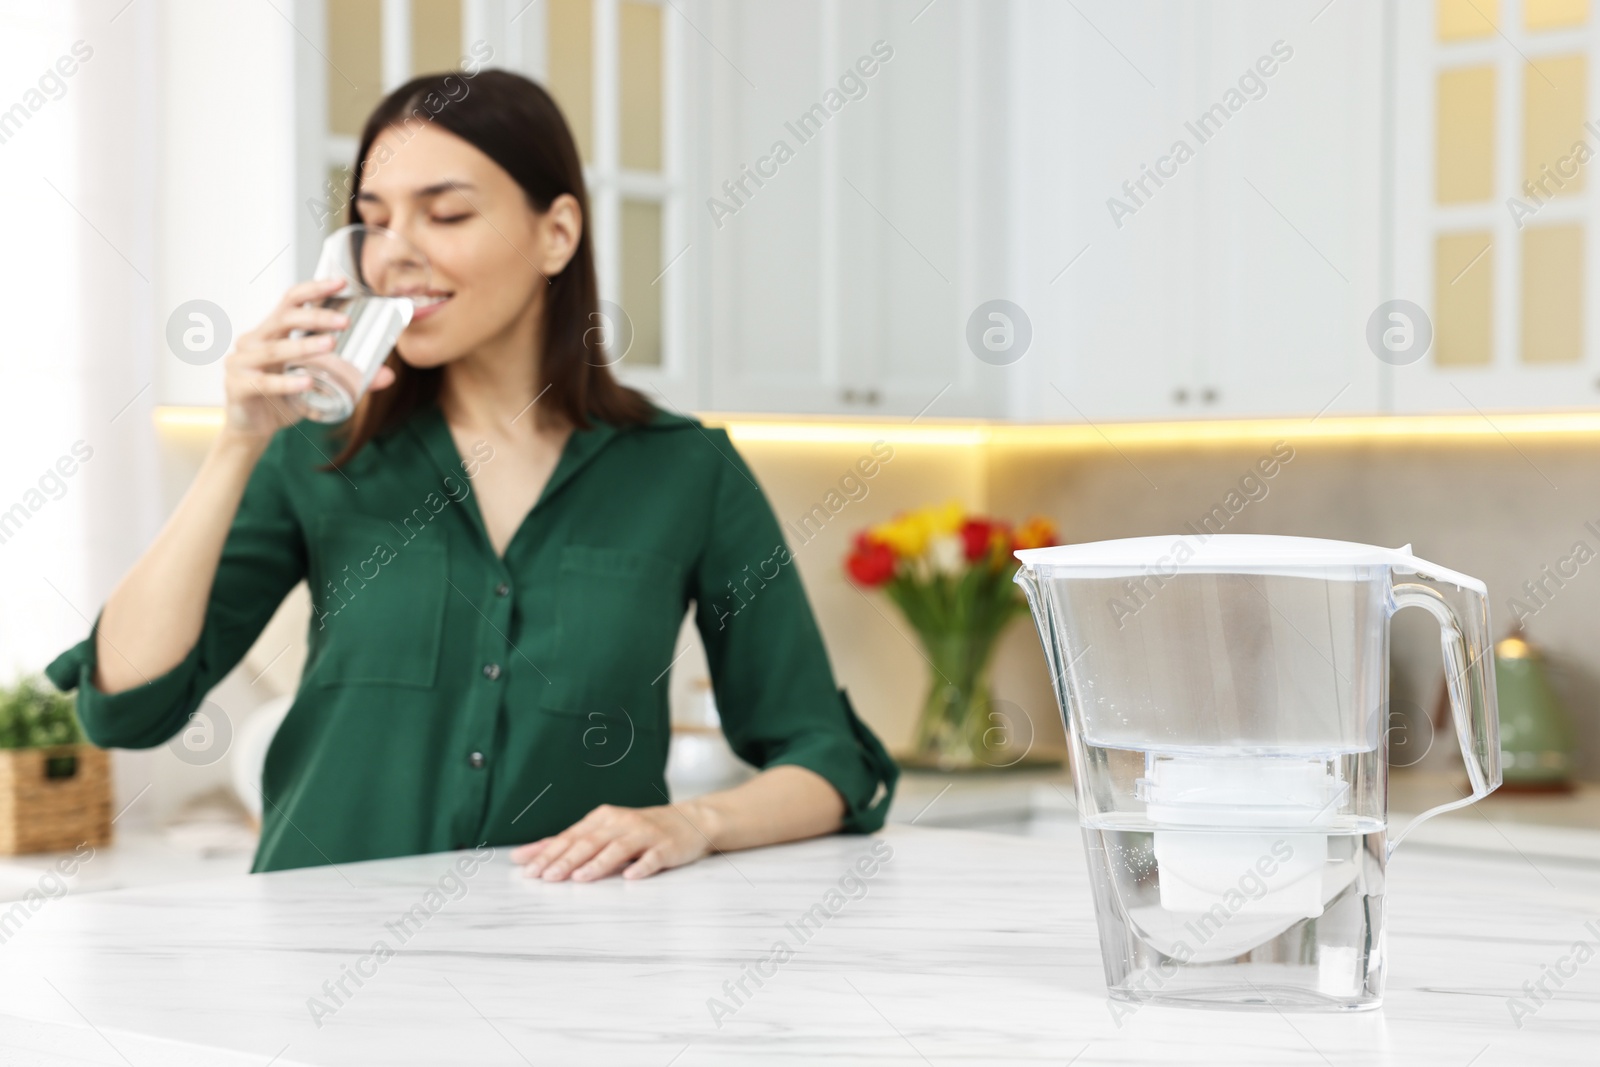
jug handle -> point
(1463, 616)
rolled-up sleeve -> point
(774, 687)
(262, 559)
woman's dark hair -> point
(514, 122)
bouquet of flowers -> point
(950, 574)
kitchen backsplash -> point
(1518, 513)
(1522, 514)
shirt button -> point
(475, 761)
(502, 589)
(491, 671)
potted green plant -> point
(55, 787)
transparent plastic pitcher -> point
(1225, 699)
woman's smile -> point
(427, 305)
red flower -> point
(872, 562)
(977, 537)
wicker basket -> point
(54, 799)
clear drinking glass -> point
(383, 273)
(1225, 699)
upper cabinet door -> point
(1204, 186)
(1494, 144)
(761, 215)
(1292, 238)
(1108, 244)
(922, 229)
(855, 217)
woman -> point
(500, 554)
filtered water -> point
(340, 377)
(1247, 919)
(1224, 700)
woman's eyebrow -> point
(421, 194)
(442, 187)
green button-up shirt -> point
(452, 697)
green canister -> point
(1536, 738)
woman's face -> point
(491, 253)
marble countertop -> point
(136, 857)
(959, 946)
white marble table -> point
(144, 856)
(965, 947)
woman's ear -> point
(560, 229)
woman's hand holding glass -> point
(253, 379)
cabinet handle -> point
(853, 396)
(1209, 396)
(872, 396)
(1180, 396)
(847, 395)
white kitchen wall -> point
(227, 164)
(43, 536)
(74, 427)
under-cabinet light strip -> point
(968, 434)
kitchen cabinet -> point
(1505, 269)
(1203, 190)
(842, 282)
(1292, 217)
(764, 255)
(1029, 153)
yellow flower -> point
(945, 518)
(910, 532)
(904, 534)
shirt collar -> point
(581, 447)
(431, 430)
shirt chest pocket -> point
(378, 604)
(618, 612)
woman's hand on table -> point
(783, 803)
(636, 841)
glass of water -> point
(384, 274)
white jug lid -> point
(1171, 554)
